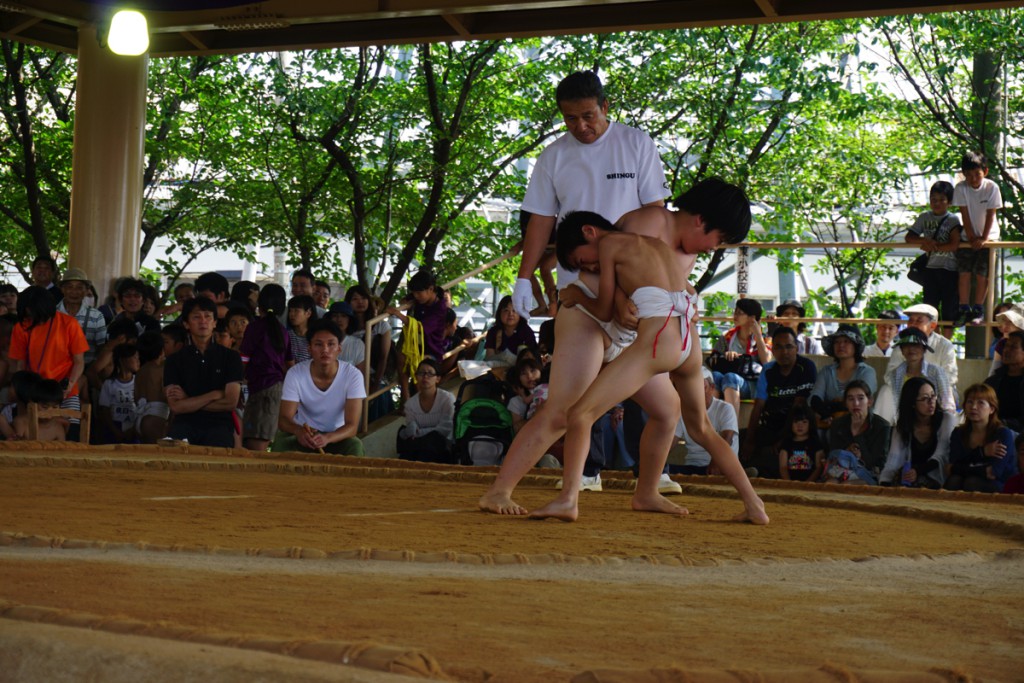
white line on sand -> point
(400, 512)
(195, 497)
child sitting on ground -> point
(117, 398)
(151, 409)
(47, 393)
(801, 457)
(22, 383)
(650, 273)
(522, 380)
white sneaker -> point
(587, 483)
(667, 486)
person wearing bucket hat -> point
(885, 332)
(75, 287)
(785, 314)
(913, 345)
(846, 347)
(1009, 320)
(925, 318)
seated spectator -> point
(236, 321)
(14, 416)
(981, 452)
(267, 354)
(997, 333)
(44, 274)
(120, 331)
(322, 399)
(130, 295)
(303, 284)
(75, 287)
(508, 334)
(913, 346)
(51, 344)
(919, 450)
(151, 409)
(150, 301)
(1015, 484)
(925, 318)
(828, 398)
(456, 338)
(1010, 320)
(884, 334)
(322, 294)
(785, 314)
(214, 287)
(183, 291)
(429, 419)
(8, 299)
(785, 382)
(245, 293)
(363, 309)
(723, 420)
(522, 380)
(352, 350)
(1008, 382)
(202, 381)
(174, 336)
(7, 323)
(858, 441)
(801, 455)
(739, 355)
(220, 333)
(301, 312)
(117, 408)
(47, 393)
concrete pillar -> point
(107, 167)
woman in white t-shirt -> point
(322, 399)
(429, 419)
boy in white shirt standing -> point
(978, 198)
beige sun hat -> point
(1014, 316)
(75, 274)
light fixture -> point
(129, 34)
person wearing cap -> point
(884, 334)
(846, 347)
(925, 318)
(1009, 320)
(786, 381)
(723, 420)
(352, 350)
(75, 287)
(739, 355)
(785, 314)
(913, 345)
(1008, 381)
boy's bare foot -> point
(557, 509)
(755, 514)
(657, 503)
(500, 504)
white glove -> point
(522, 297)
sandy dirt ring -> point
(88, 533)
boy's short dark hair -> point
(322, 283)
(570, 233)
(723, 206)
(47, 392)
(750, 307)
(973, 160)
(200, 302)
(324, 325)
(303, 301)
(304, 272)
(47, 260)
(130, 284)
(122, 351)
(782, 331)
(238, 311)
(23, 382)
(212, 282)
(8, 288)
(944, 188)
(123, 327)
(176, 332)
(150, 345)
(582, 85)
(182, 285)
(421, 281)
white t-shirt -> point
(617, 173)
(322, 410)
(723, 419)
(977, 202)
(352, 350)
(120, 398)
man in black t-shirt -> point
(784, 382)
(1008, 381)
(202, 381)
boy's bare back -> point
(642, 261)
(149, 382)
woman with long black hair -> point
(919, 449)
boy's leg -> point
(964, 287)
(577, 360)
(980, 290)
(659, 400)
(619, 380)
(689, 383)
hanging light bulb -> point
(129, 34)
